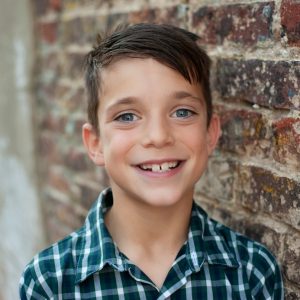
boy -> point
(151, 126)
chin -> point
(162, 200)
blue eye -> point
(126, 117)
(183, 113)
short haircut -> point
(172, 46)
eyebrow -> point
(122, 101)
(178, 95)
(183, 94)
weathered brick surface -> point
(237, 23)
(176, 15)
(217, 182)
(271, 193)
(267, 234)
(41, 7)
(73, 65)
(252, 183)
(60, 218)
(252, 133)
(286, 141)
(290, 21)
(291, 295)
(291, 260)
(267, 83)
(89, 187)
(48, 31)
(79, 31)
(244, 132)
(77, 160)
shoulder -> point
(42, 276)
(257, 263)
(54, 271)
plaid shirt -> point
(214, 263)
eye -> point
(183, 113)
(127, 117)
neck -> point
(136, 224)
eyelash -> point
(186, 110)
(134, 117)
(119, 117)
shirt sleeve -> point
(265, 278)
(29, 288)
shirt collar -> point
(96, 247)
(206, 242)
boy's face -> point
(154, 141)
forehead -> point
(141, 75)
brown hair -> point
(172, 46)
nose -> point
(157, 133)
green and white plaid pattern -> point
(214, 263)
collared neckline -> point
(97, 248)
(206, 244)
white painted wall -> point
(21, 226)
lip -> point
(166, 174)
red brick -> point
(58, 181)
(76, 160)
(52, 122)
(286, 139)
(61, 218)
(47, 148)
(290, 21)
(267, 83)
(176, 15)
(48, 31)
(270, 193)
(73, 65)
(244, 132)
(56, 4)
(41, 7)
(90, 186)
(239, 23)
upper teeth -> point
(159, 167)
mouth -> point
(160, 168)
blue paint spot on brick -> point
(291, 93)
(267, 11)
(262, 38)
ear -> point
(92, 143)
(213, 131)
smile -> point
(160, 168)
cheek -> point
(195, 139)
(117, 143)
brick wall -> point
(253, 182)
